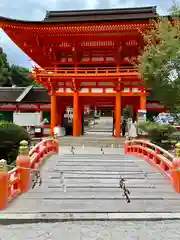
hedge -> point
(159, 134)
(10, 137)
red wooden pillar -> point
(76, 114)
(143, 102)
(81, 110)
(118, 114)
(60, 115)
(53, 113)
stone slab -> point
(99, 206)
(140, 191)
(96, 164)
(83, 186)
(96, 158)
(51, 171)
(22, 218)
(99, 181)
(95, 176)
(98, 168)
(98, 195)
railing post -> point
(54, 145)
(178, 150)
(125, 147)
(4, 184)
(175, 170)
(57, 145)
(23, 161)
(157, 151)
(176, 174)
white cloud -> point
(91, 4)
(36, 10)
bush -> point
(10, 137)
(159, 134)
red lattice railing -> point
(37, 154)
(159, 158)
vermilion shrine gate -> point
(86, 58)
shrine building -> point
(86, 57)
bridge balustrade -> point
(159, 158)
(18, 180)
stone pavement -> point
(103, 126)
(135, 230)
(91, 186)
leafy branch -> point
(159, 63)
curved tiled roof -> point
(101, 14)
(38, 95)
(35, 95)
(11, 94)
(98, 15)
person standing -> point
(133, 131)
(123, 126)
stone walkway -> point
(91, 188)
(103, 126)
(124, 230)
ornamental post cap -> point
(178, 145)
(24, 149)
(24, 143)
(3, 165)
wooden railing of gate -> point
(87, 71)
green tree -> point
(14, 75)
(175, 9)
(5, 75)
(20, 76)
(159, 63)
(35, 84)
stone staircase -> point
(100, 135)
(104, 125)
(92, 141)
(85, 185)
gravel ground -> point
(93, 231)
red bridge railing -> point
(18, 180)
(159, 158)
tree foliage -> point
(11, 135)
(20, 76)
(5, 76)
(13, 75)
(159, 63)
(159, 134)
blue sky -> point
(36, 10)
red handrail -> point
(37, 154)
(159, 158)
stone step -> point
(90, 183)
(91, 141)
(88, 195)
(92, 138)
(105, 206)
(91, 144)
